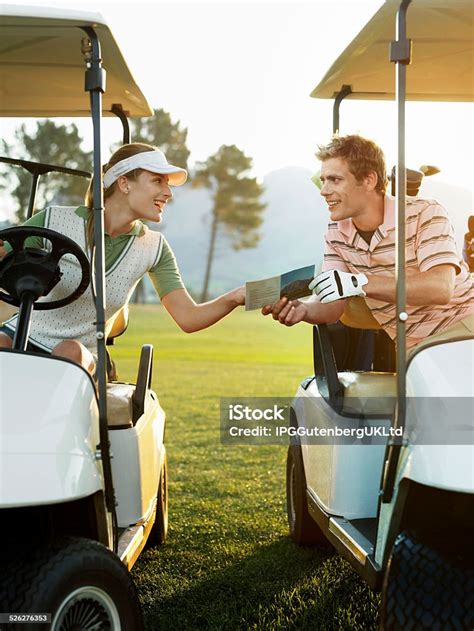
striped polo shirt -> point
(429, 242)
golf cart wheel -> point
(426, 589)
(82, 584)
(303, 528)
(159, 530)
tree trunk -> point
(210, 256)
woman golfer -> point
(137, 187)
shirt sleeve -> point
(332, 259)
(38, 221)
(435, 242)
(165, 274)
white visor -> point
(154, 161)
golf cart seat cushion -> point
(120, 323)
(369, 393)
(357, 314)
(120, 404)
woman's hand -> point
(238, 295)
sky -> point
(241, 73)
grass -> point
(228, 562)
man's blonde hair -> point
(362, 156)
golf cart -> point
(401, 510)
(83, 470)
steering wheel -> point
(37, 271)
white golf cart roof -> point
(443, 55)
(42, 67)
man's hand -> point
(3, 252)
(335, 285)
(287, 313)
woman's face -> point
(148, 194)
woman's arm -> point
(191, 317)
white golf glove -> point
(335, 285)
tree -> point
(52, 144)
(237, 209)
(159, 130)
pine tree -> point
(50, 143)
(237, 210)
(159, 130)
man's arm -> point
(433, 287)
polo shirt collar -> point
(388, 215)
(137, 230)
(348, 229)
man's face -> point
(344, 195)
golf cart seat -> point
(119, 325)
(120, 405)
(126, 402)
(349, 387)
(368, 393)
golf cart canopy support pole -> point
(400, 54)
(343, 92)
(118, 110)
(95, 85)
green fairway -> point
(228, 562)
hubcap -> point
(87, 609)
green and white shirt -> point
(128, 258)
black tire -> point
(159, 530)
(78, 581)
(303, 528)
(425, 588)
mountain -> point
(292, 233)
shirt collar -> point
(347, 227)
(138, 228)
(388, 215)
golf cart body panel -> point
(138, 455)
(57, 415)
(343, 477)
(427, 389)
(38, 82)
